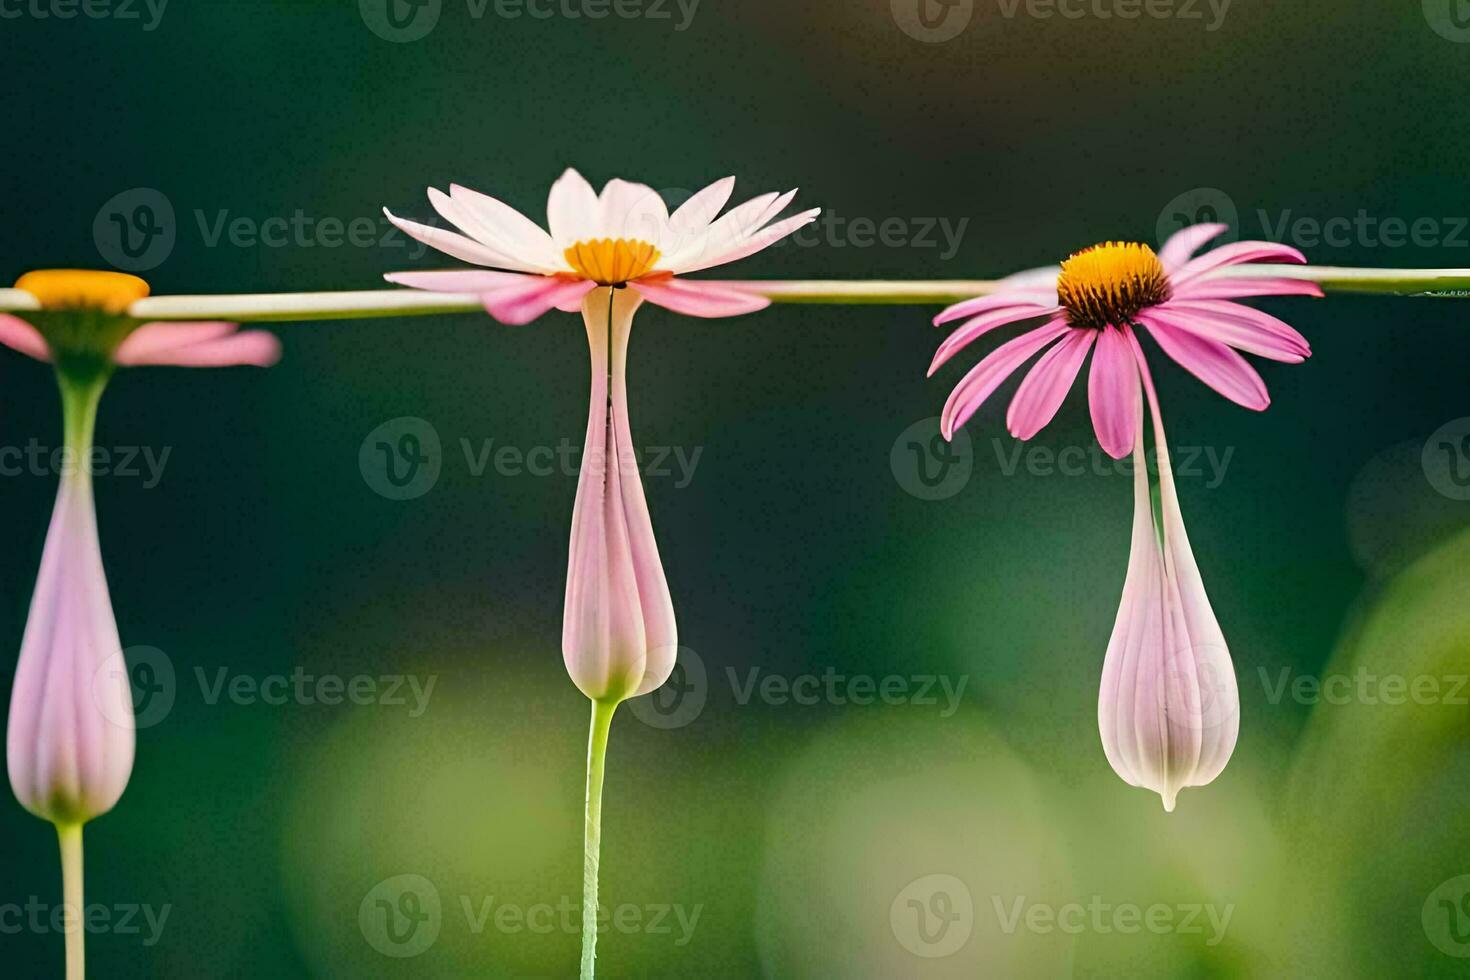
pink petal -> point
(703, 299)
(1237, 326)
(1242, 287)
(256, 348)
(1183, 244)
(990, 373)
(1213, 363)
(1046, 386)
(995, 301)
(19, 335)
(1112, 392)
(520, 303)
(1235, 254)
(979, 326)
(153, 338)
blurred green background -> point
(778, 838)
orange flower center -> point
(611, 262)
(69, 289)
(1110, 283)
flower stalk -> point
(602, 715)
(70, 836)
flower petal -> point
(571, 210)
(520, 303)
(1213, 363)
(995, 301)
(461, 280)
(462, 248)
(1183, 244)
(990, 373)
(696, 298)
(1237, 326)
(755, 242)
(1243, 287)
(1112, 393)
(1046, 386)
(635, 212)
(1237, 253)
(19, 335)
(249, 348)
(508, 231)
(977, 327)
(692, 219)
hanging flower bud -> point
(619, 639)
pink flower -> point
(1095, 302)
(70, 738)
(624, 236)
(1169, 708)
(605, 255)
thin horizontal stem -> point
(1434, 283)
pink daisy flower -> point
(1168, 704)
(1096, 301)
(624, 236)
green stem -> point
(602, 715)
(79, 400)
(70, 835)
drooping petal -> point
(1183, 244)
(1046, 386)
(1112, 393)
(975, 328)
(522, 302)
(618, 637)
(1168, 704)
(1213, 363)
(1003, 299)
(991, 372)
(1244, 287)
(20, 336)
(696, 298)
(153, 338)
(248, 348)
(1240, 331)
(1237, 253)
(70, 737)
(571, 210)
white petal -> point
(572, 210)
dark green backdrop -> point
(794, 548)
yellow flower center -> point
(611, 262)
(69, 289)
(1110, 283)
